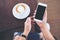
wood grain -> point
(7, 20)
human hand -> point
(16, 37)
(43, 23)
(27, 26)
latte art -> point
(17, 7)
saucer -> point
(21, 11)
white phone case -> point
(42, 4)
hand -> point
(27, 28)
(17, 37)
(44, 21)
(42, 25)
(27, 25)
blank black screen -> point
(40, 12)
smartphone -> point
(39, 15)
(40, 11)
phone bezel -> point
(42, 4)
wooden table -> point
(7, 20)
(8, 23)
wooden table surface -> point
(7, 20)
(8, 23)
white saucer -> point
(21, 10)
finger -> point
(45, 16)
(28, 20)
(34, 13)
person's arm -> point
(41, 34)
(27, 28)
(46, 33)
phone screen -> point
(40, 12)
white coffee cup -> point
(21, 10)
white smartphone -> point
(40, 12)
